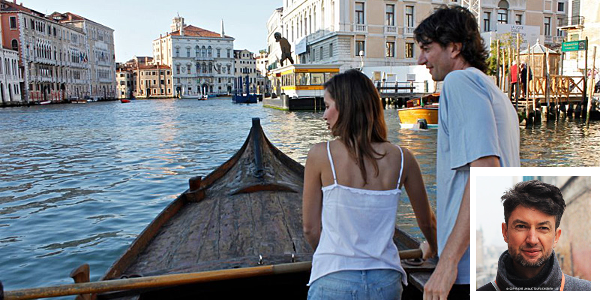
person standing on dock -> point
(478, 127)
(526, 76)
(514, 81)
(349, 216)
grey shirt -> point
(475, 120)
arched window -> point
(15, 45)
(503, 12)
(197, 51)
(197, 67)
(203, 67)
(209, 51)
(203, 51)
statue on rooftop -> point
(286, 48)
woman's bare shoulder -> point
(317, 151)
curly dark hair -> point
(542, 196)
(454, 25)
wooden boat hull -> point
(245, 219)
(410, 116)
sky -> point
(136, 23)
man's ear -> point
(456, 49)
(505, 232)
(558, 232)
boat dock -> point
(398, 93)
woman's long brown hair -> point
(360, 121)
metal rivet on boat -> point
(260, 259)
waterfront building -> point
(59, 55)
(124, 82)
(152, 81)
(360, 33)
(11, 79)
(202, 61)
(51, 55)
(142, 78)
(100, 54)
(245, 66)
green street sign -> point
(574, 46)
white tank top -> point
(357, 229)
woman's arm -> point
(415, 188)
(312, 197)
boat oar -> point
(166, 280)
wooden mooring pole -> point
(589, 103)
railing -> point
(576, 21)
(391, 88)
(408, 30)
(391, 29)
(561, 88)
(360, 27)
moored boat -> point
(418, 111)
(125, 100)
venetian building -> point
(245, 66)
(100, 54)
(380, 32)
(202, 61)
(153, 81)
(52, 56)
(124, 82)
(11, 79)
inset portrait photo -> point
(532, 229)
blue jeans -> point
(384, 284)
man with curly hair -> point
(478, 127)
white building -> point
(11, 80)
(355, 33)
(202, 61)
(273, 51)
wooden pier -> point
(397, 93)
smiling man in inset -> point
(532, 213)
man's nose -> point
(421, 60)
(532, 237)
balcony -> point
(360, 28)
(575, 22)
(391, 29)
(408, 31)
(558, 39)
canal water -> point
(78, 182)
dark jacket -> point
(549, 278)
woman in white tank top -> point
(351, 190)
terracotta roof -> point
(11, 6)
(191, 30)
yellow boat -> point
(425, 108)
